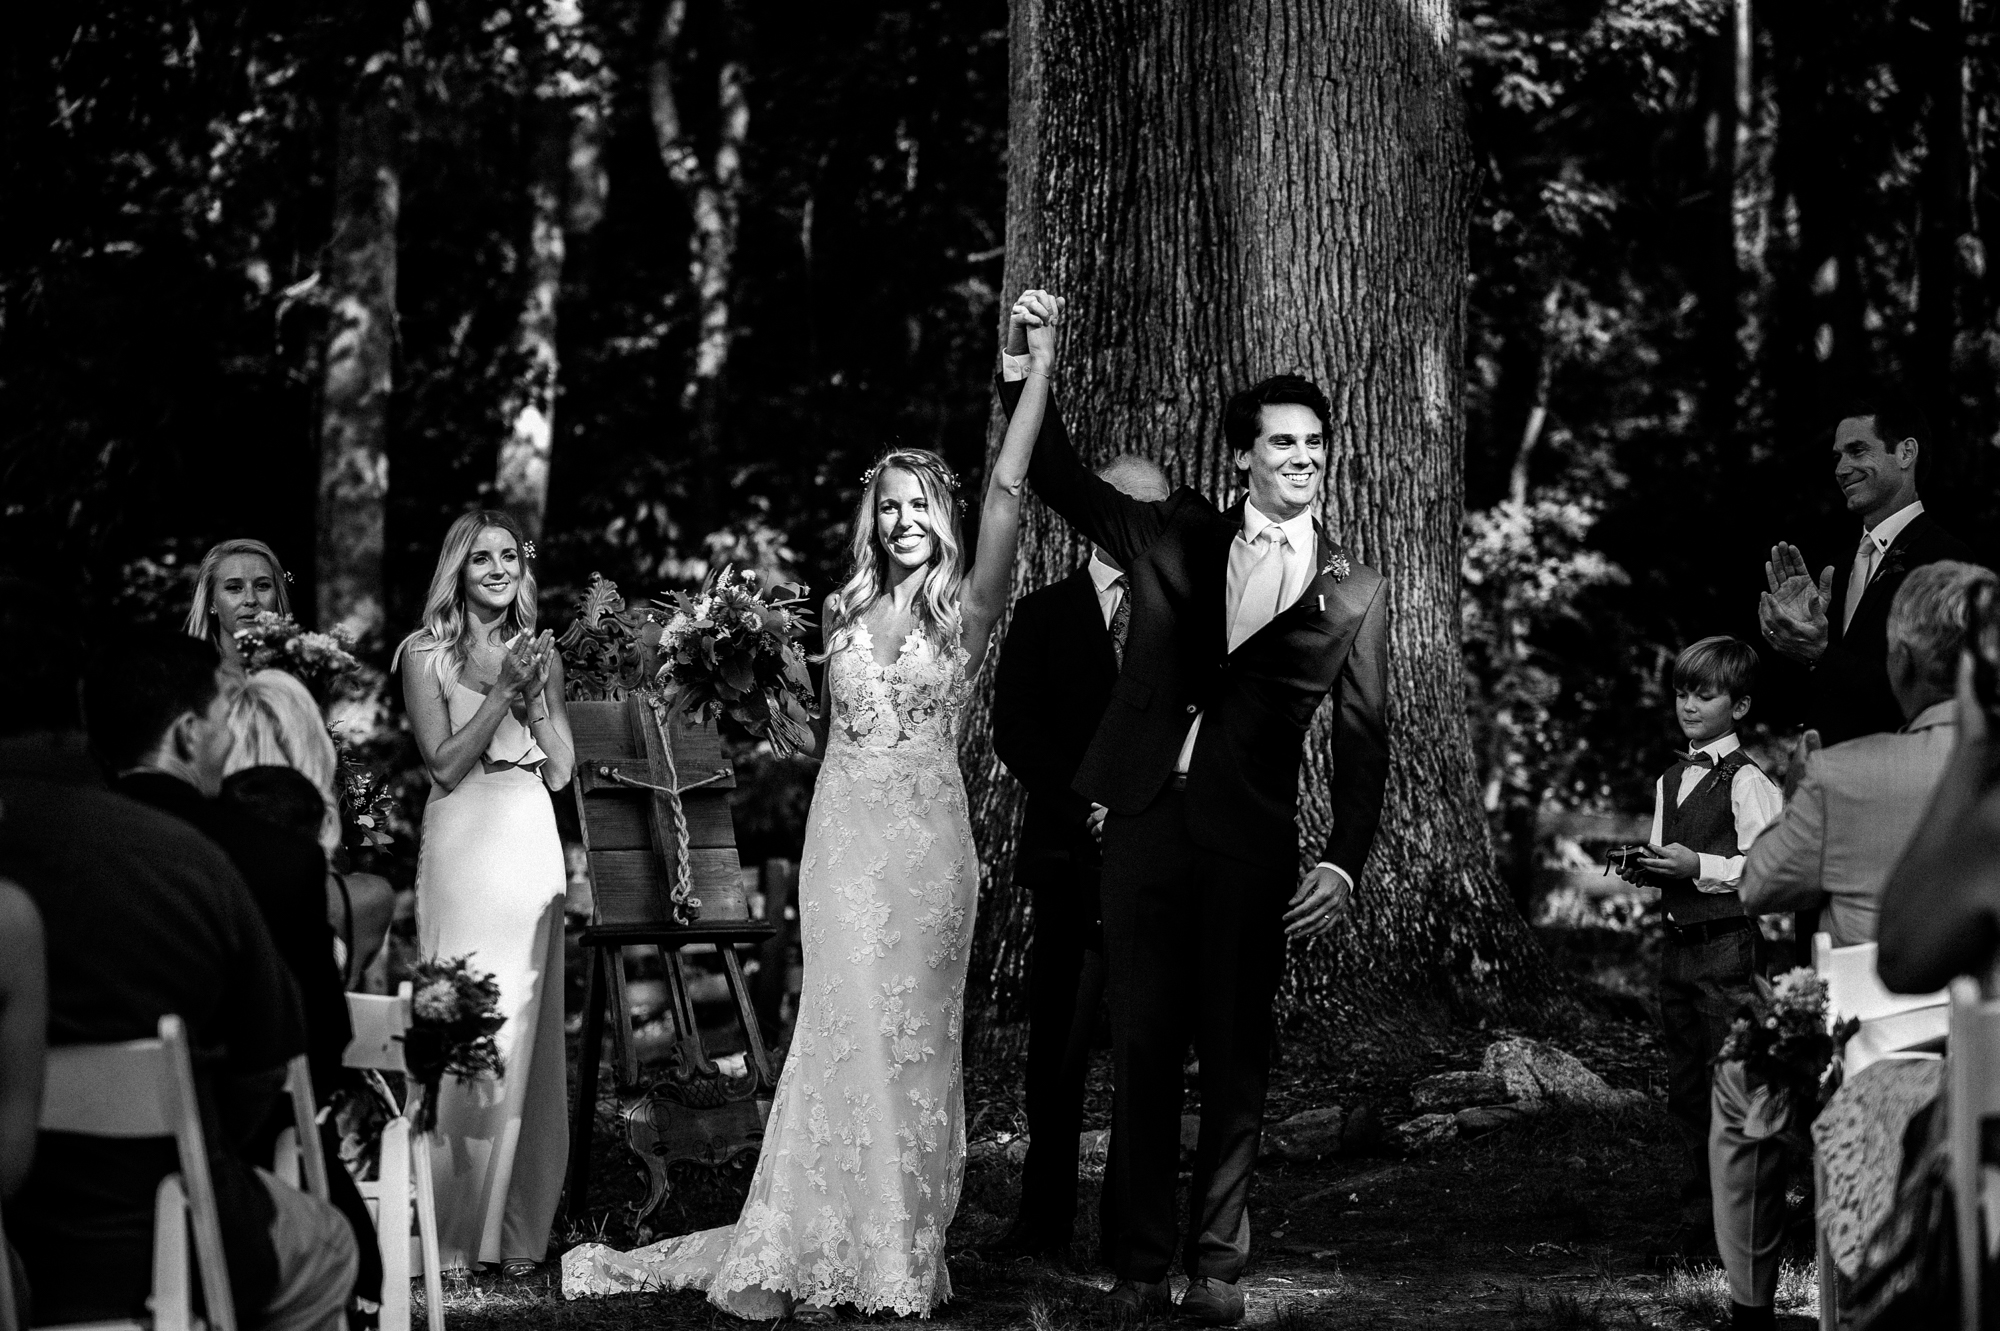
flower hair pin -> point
(288, 576)
(527, 549)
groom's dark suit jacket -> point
(1848, 695)
(1256, 702)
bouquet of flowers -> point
(324, 662)
(366, 806)
(733, 648)
(1781, 1039)
(457, 1015)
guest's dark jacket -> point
(1256, 702)
(142, 916)
(1848, 694)
(1050, 689)
(286, 875)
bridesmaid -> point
(485, 699)
(237, 581)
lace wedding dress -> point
(865, 1148)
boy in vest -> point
(1707, 809)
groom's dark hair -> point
(1244, 413)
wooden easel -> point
(693, 1112)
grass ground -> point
(1552, 1224)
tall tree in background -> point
(360, 272)
(565, 192)
(711, 184)
(1228, 190)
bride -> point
(865, 1148)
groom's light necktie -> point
(1263, 587)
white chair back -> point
(1972, 1091)
(145, 1088)
(403, 1184)
(1892, 1025)
(379, 1022)
(299, 1151)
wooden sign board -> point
(628, 830)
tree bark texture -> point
(359, 365)
(1227, 189)
(713, 190)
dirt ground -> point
(1564, 1222)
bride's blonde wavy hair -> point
(868, 581)
(446, 626)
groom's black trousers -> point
(1195, 945)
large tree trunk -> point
(530, 406)
(1225, 189)
(359, 365)
(712, 189)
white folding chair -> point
(145, 1088)
(1972, 1094)
(1891, 1025)
(299, 1150)
(379, 1023)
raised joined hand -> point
(1803, 748)
(1792, 613)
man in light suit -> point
(1847, 818)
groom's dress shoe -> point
(1133, 1299)
(1212, 1302)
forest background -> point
(665, 276)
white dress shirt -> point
(1752, 798)
(1875, 543)
(1109, 580)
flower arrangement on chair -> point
(1782, 1039)
(455, 1015)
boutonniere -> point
(1336, 564)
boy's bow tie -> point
(1698, 758)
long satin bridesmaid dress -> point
(490, 882)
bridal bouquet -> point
(457, 1014)
(733, 648)
(324, 662)
(1781, 1039)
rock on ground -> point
(1310, 1135)
(1532, 1070)
(1422, 1133)
(1458, 1090)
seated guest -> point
(164, 723)
(24, 1019)
(161, 723)
(274, 721)
(1851, 812)
(1941, 910)
(143, 917)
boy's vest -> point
(1705, 822)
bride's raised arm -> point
(992, 573)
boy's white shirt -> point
(1753, 799)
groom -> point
(1242, 622)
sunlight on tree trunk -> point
(1228, 191)
(713, 192)
(563, 146)
(359, 369)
